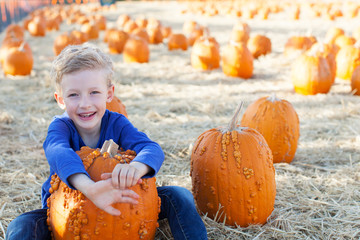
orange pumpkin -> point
(233, 176)
(259, 45)
(240, 32)
(326, 51)
(296, 45)
(61, 42)
(122, 19)
(311, 74)
(205, 54)
(136, 50)
(166, 31)
(347, 59)
(155, 34)
(72, 216)
(141, 21)
(91, 29)
(116, 41)
(116, 106)
(37, 26)
(142, 33)
(278, 123)
(177, 41)
(237, 60)
(18, 61)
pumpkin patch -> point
(174, 103)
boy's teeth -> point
(86, 115)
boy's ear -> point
(110, 93)
(59, 100)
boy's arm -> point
(102, 193)
(63, 160)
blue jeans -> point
(177, 205)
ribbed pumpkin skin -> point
(311, 75)
(279, 124)
(71, 215)
(237, 61)
(205, 55)
(235, 170)
(347, 59)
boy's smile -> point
(84, 96)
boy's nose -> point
(85, 102)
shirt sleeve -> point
(148, 151)
(62, 158)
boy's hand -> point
(126, 175)
(103, 195)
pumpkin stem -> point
(109, 146)
(273, 98)
(235, 118)
(21, 47)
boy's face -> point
(84, 96)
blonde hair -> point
(76, 58)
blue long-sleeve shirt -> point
(63, 140)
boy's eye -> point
(72, 95)
(95, 92)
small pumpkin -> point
(166, 31)
(91, 29)
(61, 42)
(177, 41)
(347, 59)
(37, 26)
(205, 54)
(155, 34)
(116, 41)
(141, 21)
(137, 50)
(278, 122)
(311, 74)
(327, 51)
(237, 60)
(259, 45)
(116, 106)
(18, 61)
(233, 176)
(142, 33)
(296, 45)
(240, 32)
(122, 19)
(72, 216)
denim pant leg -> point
(29, 226)
(177, 205)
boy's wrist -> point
(141, 167)
(81, 182)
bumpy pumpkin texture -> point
(278, 122)
(72, 216)
(233, 176)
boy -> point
(83, 86)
